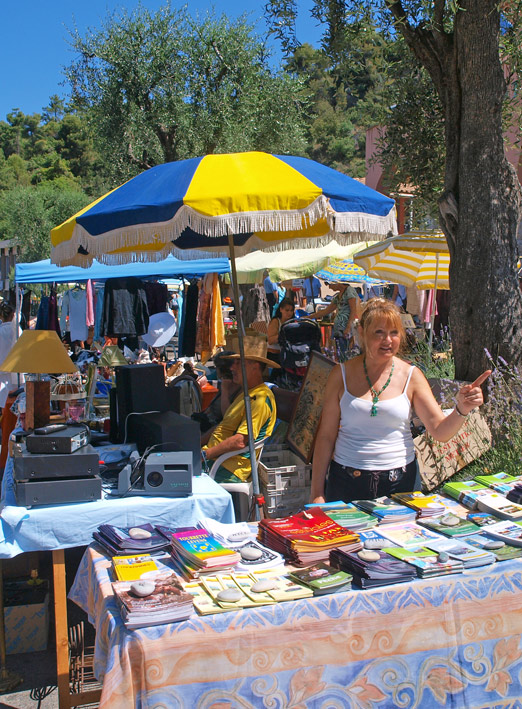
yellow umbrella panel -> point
(411, 259)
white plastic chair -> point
(241, 491)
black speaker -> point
(139, 388)
(174, 431)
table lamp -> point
(38, 352)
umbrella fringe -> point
(348, 228)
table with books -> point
(440, 630)
(55, 528)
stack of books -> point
(506, 531)
(408, 535)
(248, 594)
(306, 537)
(450, 525)
(471, 557)
(322, 579)
(142, 538)
(347, 515)
(168, 603)
(466, 492)
(195, 551)
(134, 567)
(386, 510)
(496, 504)
(503, 552)
(426, 562)
(424, 505)
(499, 482)
(369, 574)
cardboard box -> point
(26, 624)
(439, 461)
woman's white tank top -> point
(378, 442)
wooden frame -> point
(304, 425)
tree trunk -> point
(480, 205)
(486, 303)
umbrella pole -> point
(434, 304)
(258, 499)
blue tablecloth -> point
(451, 641)
(64, 526)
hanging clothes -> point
(125, 310)
(90, 304)
(217, 326)
(99, 290)
(53, 322)
(73, 318)
(42, 316)
(190, 310)
(157, 296)
(203, 318)
(25, 310)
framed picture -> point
(303, 427)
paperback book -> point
(450, 526)
(168, 603)
(466, 492)
(482, 519)
(347, 515)
(508, 532)
(201, 549)
(386, 510)
(500, 506)
(306, 537)
(117, 540)
(369, 574)
(503, 553)
(458, 549)
(408, 534)
(424, 505)
(500, 482)
(322, 579)
(133, 568)
(426, 561)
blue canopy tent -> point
(170, 267)
(47, 272)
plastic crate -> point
(281, 503)
(280, 469)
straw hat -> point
(255, 346)
(162, 328)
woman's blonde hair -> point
(381, 309)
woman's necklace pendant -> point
(376, 394)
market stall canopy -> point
(269, 202)
(298, 263)
(47, 272)
(347, 271)
(418, 259)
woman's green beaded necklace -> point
(376, 394)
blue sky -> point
(34, 45)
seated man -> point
(231, 433)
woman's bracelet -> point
(459, 412)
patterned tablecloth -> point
(444, 642)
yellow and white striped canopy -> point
(418, 259)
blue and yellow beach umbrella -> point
(346, 271)
(189, 207)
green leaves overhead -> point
(163, 86)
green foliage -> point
(163, 86)
(27, 214)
